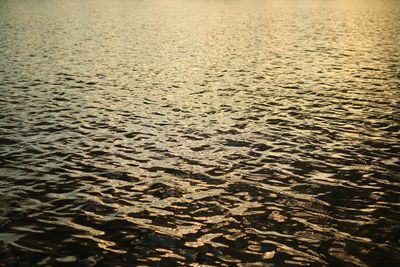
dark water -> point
(201, 133)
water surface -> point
(195, 132)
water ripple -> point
(226, 134)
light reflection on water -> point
(199, 132)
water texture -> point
(199, 133)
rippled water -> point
(199, 132)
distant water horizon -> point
(199, 133)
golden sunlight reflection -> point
(199, 133)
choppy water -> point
(197, 132)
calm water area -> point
(200, 133)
